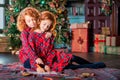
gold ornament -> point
(10, 48)
(59, 11)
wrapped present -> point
(99, 43)
(112, 40)
(111, 50)
(106, 30)
(4, 44)
(79, 40)
(3, 39)
(3, 47)
(118, 50)
(81, 25)
(100, 49)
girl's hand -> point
(48, 35)
(40, 70)
(47, 68)
(39, 61)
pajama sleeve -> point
(27, 48)
(51, 45)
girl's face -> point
(30, 21)
(45, 25)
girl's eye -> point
(48, 25)
(34, 21)
(44, 24)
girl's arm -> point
(27, 48)
(48, 35)
(38, 60)
(51, 45)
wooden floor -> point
(112, 61)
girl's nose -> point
(46, 26)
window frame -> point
(3, 5)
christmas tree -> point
(55, 6)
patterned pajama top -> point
(43, 48)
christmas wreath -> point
(106, 7)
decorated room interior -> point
(86, 28)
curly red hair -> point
(30, 11)
(47, 15)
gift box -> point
(4, 44)
(79, 40)
(3, 47)
(118, 50)
(99, 43)
(112, 40)
(106, 30)
(3, 39)
(77, 25)
(100, 49)
(111, 50)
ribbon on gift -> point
(81, 42)
(109, 40)
(96, 41)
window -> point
(2, 17)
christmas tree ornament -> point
(7, 18)
(10, 48)
(16, 9)
(106, 7)
(51, 4)
(11, 8)
(42, 2)
(12, 19)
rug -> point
(13, 72)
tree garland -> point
(106, 7)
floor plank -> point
(111, 61)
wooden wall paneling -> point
(90, 11)
(90, 1)
(114, 20)
(116, 12)
(96, 17)
(118, 21)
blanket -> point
(13, 72)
